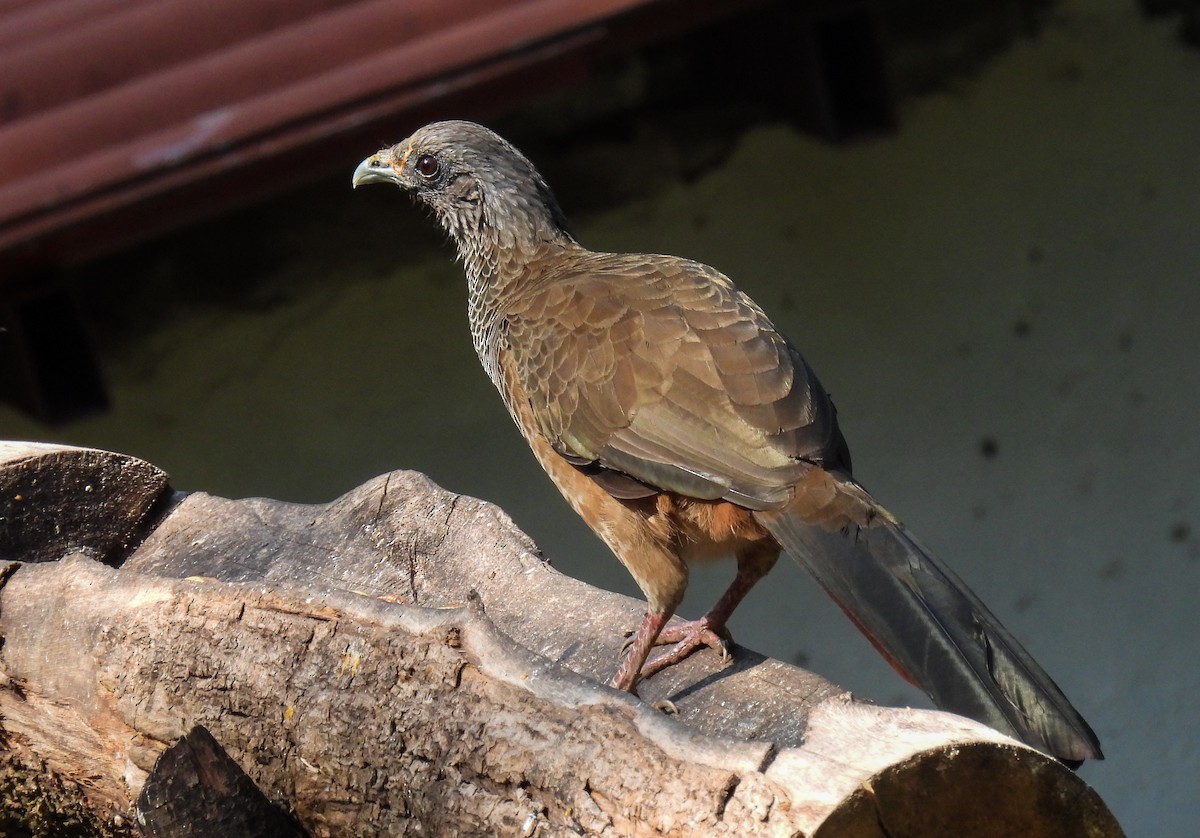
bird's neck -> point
(496, 241)
(500, 268)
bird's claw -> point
(630, 635)
(684, 639)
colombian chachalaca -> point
(682, 426)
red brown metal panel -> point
(198, 93)
(10, 5)
(230, 92)
(23, 21)
(58, 65)
(57, 188)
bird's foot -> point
(686, 638)
(683, 638)
(636, 649)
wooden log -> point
(400, 536)
(402, 659)
(55, 498)
(196, 790)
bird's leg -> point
(753, 564)
(637, 649)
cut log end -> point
(58, 498)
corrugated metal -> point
(119, 118)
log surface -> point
(403, 660)
(400, 536)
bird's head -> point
(483, 191)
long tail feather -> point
(935, 631)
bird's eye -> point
(427, 166)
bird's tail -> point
(926, 622)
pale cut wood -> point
(447, 712)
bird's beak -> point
(377, 168)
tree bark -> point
(402, 660)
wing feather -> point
(661, 369)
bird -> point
(683, 427)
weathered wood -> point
(196, 790)
(402, 537)
(56, 498)
(417, 705)
(35, 801)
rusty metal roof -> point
(122, 118)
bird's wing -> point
(661, 369)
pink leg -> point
(710, 630)
(637, 650)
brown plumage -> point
(682, 426)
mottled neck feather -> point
(497, 225)
(507, 237)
